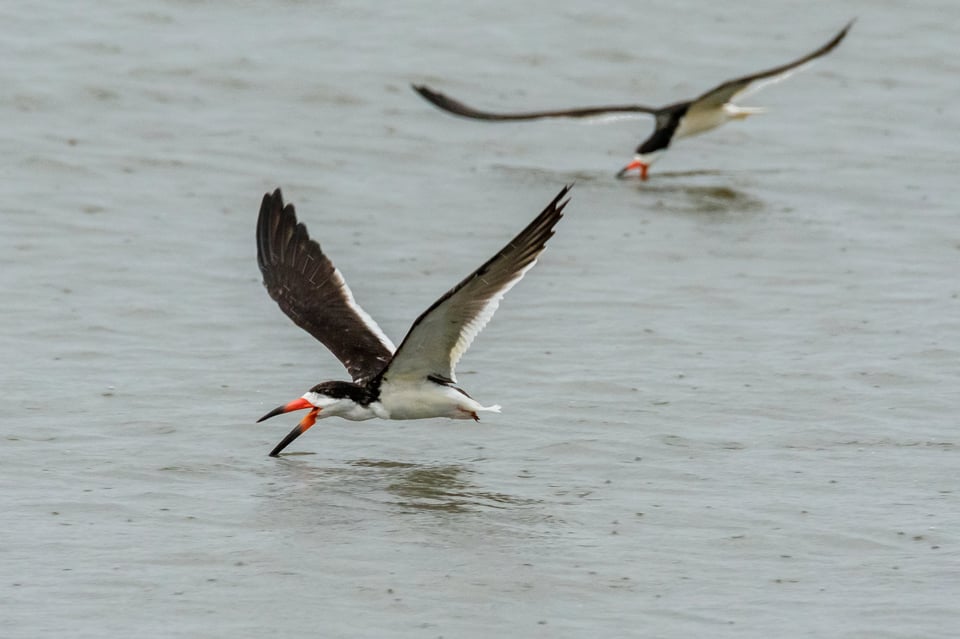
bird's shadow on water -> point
(405, 486)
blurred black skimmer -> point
(672, 122)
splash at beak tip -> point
(308, 420)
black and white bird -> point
(671, 122)
(416, 380)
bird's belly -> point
(359, 413)
(695, 122)
(422, 400)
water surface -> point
(730, 393)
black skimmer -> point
(414, 381)
(672, 122)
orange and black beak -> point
(308, 420)
(636, 164)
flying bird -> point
(671, 122)
(416, 380)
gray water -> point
(730, 393)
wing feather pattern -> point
(444, 332)
(310, 290)
(724, 93)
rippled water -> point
(730, 393)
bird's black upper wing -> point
(723, 93)
(310, 290)
(450, 105)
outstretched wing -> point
(444, 332)
(310, 290)
(720, 95)
(450, 105)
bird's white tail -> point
(738, 112)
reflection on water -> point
(669, 175)
(673, 189)
(702, 199)
(666, 175)
(411, 486)
(443, 487)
